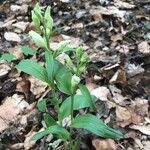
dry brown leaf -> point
(107, 144)
(4, 68)
(17, 52)
(29, 143)
(123, 49)
(117, 95)
(133, 113)
(101, 93)
(17, 9)
(110, 11)
(37, 87)
(124, 5)
(146, 145)
(145, 129)
(123, 116)
(10, 109)
(144, 47)
(119, 77)
(57, 38)
(138, 144)
(11, 36)
(23, 86)
(117, 37)
(17, 146)
(132, 69)
(21, 25)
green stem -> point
(71, 109)
(54, 97)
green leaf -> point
(37, 11)
(63, 80)
(148, 35)
(33, 68)
(35, 19)
(49, 121)
(87, 94)
(52, 65)
(48, 19)
(61, 132)
(79, 103)
(8, 57)
(96, 126)
(67, 49)
(42, 105)
(55, 144)
(28, 51)
(37, 39)
(58, 72)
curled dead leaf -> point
(107, 144)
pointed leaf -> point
(96, 126)
(49, 121)
(8, 57)
(52, 65)
(28, 51)
(59, 72)
(79, 103)
(42, 105)
(33, 68)
(55, 129)
(87, 94)
(48, 19)
(37, 39)
(63, 79)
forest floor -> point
(115, 34)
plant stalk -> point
(72, 103)
(71, 109)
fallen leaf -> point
(117, 96)
(21, 25)
(144, 47)
(29, 143)
(19, 9)
(142, 128)
(17, 146)
(37, 87)
(132, 69)
(23, 86)
(123, 116)
(17, 52)
(138, 144)
(10, 109)
(124, 5)
(132, 113)
(107, 144)
(101, 93)
(117, 37)
(119, 77)
(4, 68)
(146, 145)
(11, 36)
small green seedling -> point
(63, 78)
(28, 51)
(8, 57)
